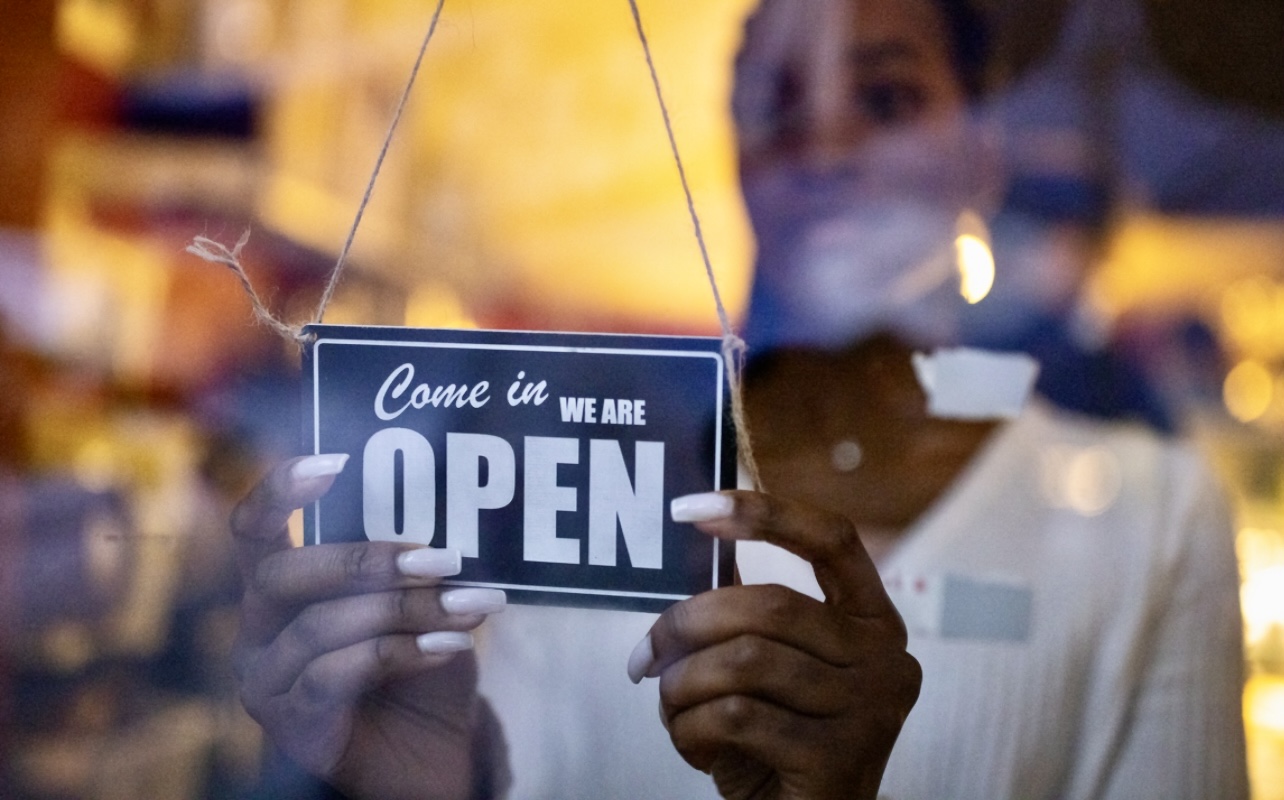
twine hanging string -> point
(216, 253)
(733, 347)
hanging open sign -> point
(547, 459)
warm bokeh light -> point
(1084, 480)
(436, 306)
(532, 167)
(1264, 721)
(976, 267)
(241, 30)
(1170, 263)
(973, 257)
(1252, 314)
(1261, 561)
(1262, 599)
(102, 34)
(1248, 390)
(530, 184)
(95, 467)
(1264, 705)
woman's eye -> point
(786, 114)
(890, 103)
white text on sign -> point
(444, 396)
(636, 504)
(614, 412)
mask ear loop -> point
(733, 347)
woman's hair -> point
(970, 42)
(758, 82)
(967, 27)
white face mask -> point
(884, 267)
(861, 246)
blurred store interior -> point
(531, 187)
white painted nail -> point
(439, 642)
(474, 601)
(322, 466)
(641, 660)
(430, 562)
(701, 507)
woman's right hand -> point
(349, 655)
(777, 695)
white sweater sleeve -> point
(1186, 737)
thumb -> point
(259, 521)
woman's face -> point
(819, 80)
(858, 161)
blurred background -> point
(531, 187)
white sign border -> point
(717, 462)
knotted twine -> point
(733, 347)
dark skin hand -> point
(327, 660)
(777, 695)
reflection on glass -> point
(1248, 390)
(1084, 480)
(974, 258)
(510, 204)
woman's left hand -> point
(778, 695)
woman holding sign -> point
(348, 658)
(1040, 679)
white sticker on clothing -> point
(965, 383)
(918, 598)
(952, 606)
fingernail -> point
(322, 466)
(641, 659)
(444, 642)
(474, 601)
(430, 562)
(701, 507)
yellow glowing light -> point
(95, 466)
(1259, 548)
(1248, 391)
(976, 267)
(436, 306)
(1262, 599)
(242, 30)
(972, 253)
(104, 35)
(1248, 312)
(1084, 480)
(539, 153)
(1264, 703)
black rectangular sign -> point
(547, 459)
